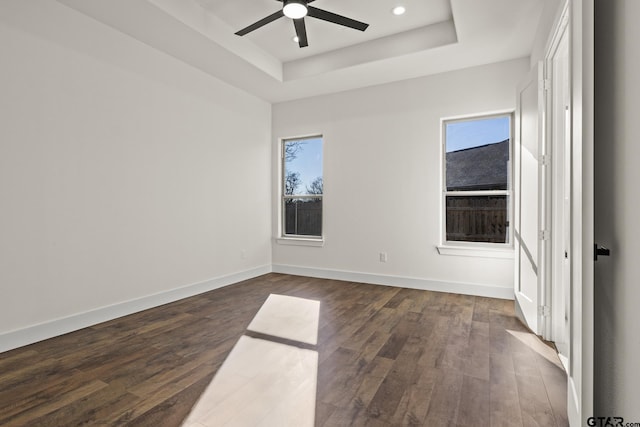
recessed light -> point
(295, 39)
(398, 10)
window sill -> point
(297, 241)
(476, 251)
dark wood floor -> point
(387, 357)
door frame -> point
(580, 26)
(555, 176)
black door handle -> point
(602, 251)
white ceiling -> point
(433, 36)
(276, 37)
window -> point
(476, 175)
(302, 187)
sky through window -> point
(475, 133)
(307, 162)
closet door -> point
(527, 199)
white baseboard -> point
(42, 331)
(400, 281)
(53, 328)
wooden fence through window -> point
(303, 217)
(477, 219)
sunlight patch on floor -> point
(288, 317)
(262, 382)
(535, 344)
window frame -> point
(469, 248)
(297, 239)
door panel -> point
(560, 140)
(527, 223)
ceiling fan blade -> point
(301, 32)
(336, 19)
(260, 23)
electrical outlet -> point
(383, 257)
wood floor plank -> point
(20, 386)
(29, 397)
(524, 363)
(160, 396)
(400, 377)
(52, 403)
(474, 407)
(202, 362)
(172, 411)
(370, 384)
(534, 402)
(412, 408)
(353, 411)
(477, 363)
(333, 374)
(481, 310)
(445, 399)
(386, 356)
(504, 400)
(93, 409)
(387, 398)
(323, 412)
(555, 383)
(11, 360)
(368, 372)
(479, 336)
(399, 336)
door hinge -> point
(545, 84)
(545, 160)
(544, 310)
(543, 235)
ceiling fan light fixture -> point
(295, 9)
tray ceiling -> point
(433, 36)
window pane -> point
(302, 174)
(303, 167)
(477, 154)
(477, 219)
(303, 216)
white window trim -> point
(298, 241)
(475, 249)
(294, 239)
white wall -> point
(124, 173)
(617, 291)
(382, 171)
(551, 13)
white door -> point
(527, 200)
(559, 123)
(581, 344)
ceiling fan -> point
(297, 10)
